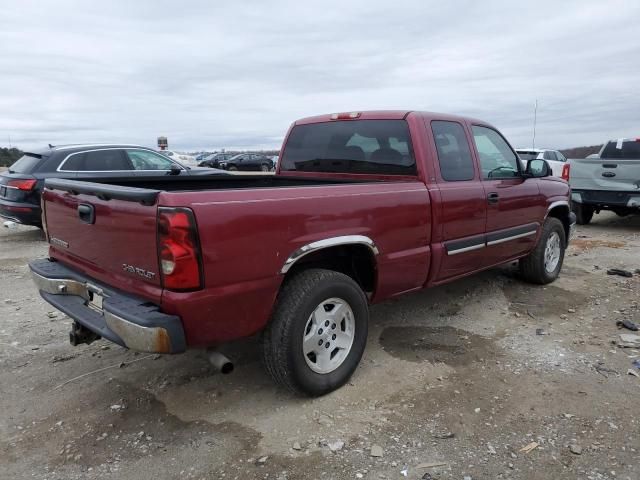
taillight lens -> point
(565, 171)
(179, 249)
(23, 184)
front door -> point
(514, 203)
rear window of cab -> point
(352, 146)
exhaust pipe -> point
(220, 361)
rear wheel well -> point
(561, 212)
(355, 261)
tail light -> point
(179, 249)
(22, 184)
(565, 171)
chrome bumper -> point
(136, 332)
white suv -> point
(554, 158)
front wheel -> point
(317, 333)
(264, 167)
(544, 263)
(232, 168)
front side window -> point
(454, 155)
(350, 146)
(145, 160)
(497, 160)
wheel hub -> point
(552, 252)
(328, 335)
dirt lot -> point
(462, 376)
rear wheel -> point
(544, 263)
(584, 213)
(317, 333)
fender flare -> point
(327, 243)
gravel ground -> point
(485, 378)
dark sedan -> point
(249, 162)
(213, 160)
(22, 184)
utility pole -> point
(535, 118)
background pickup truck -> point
(364, 206)
(607, 181)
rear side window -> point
(549, 155)
(351, 146)
(25, 164)
(497, 160)
(97, 161)
(454, 155)
(628, 149)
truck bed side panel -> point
(247, 236)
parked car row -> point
(240, 162)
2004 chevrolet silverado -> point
(364, 206)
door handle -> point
(493, 197)
(86, 213)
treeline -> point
(8, 156)
(581, 152)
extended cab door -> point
(515, 207)
(462, 206)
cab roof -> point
(385, 115)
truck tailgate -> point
(605, 174)
(110, 237)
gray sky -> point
(235, 74)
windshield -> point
(351, 146)
(25, 164)
(622, 149)
(527, 155)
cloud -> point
(236, 74)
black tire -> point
(264, 167)
(282, 350)
(232, 168)
(532, 267)
(584, 213)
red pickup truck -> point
(364, 206)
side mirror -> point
(537, 168)
(174, 170)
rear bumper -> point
(24, 213)
(131, 322)
(606, 198)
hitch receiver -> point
(80, 334)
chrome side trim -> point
(326, 243)
(513, 237)
(466, 249)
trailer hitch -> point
(79, 334)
